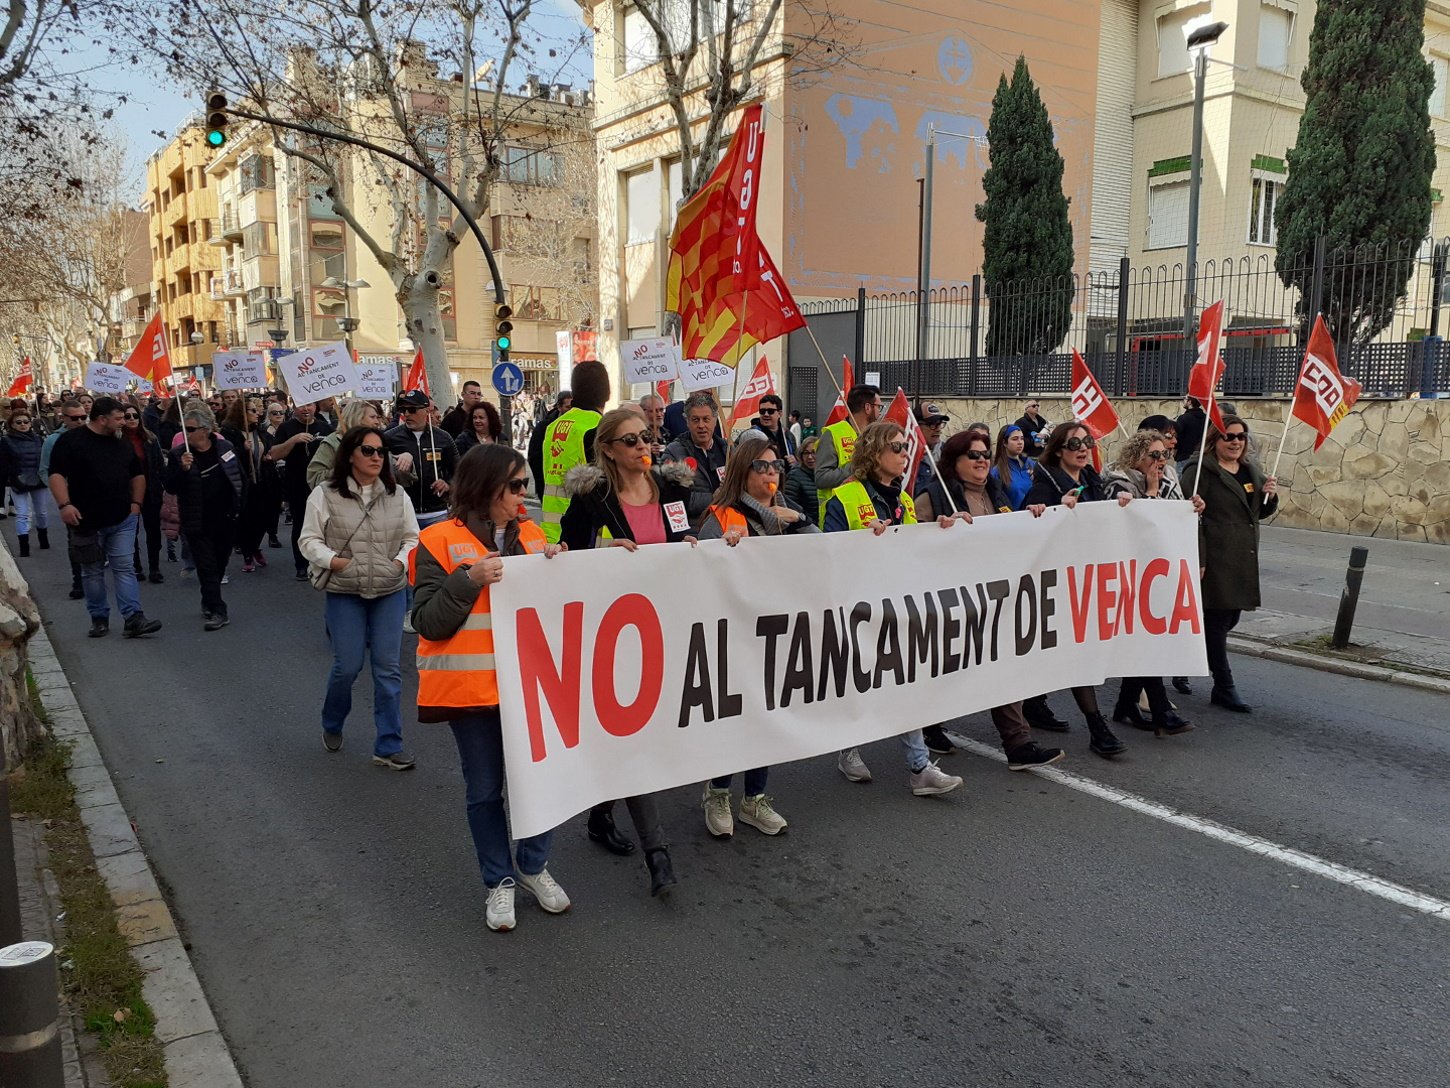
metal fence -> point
(1130, 326)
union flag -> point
(838, 410)
(761, 383)
(1203, 379)
(150, 358)
(901, 414)
(1323, 396)
(1090, 405)
(417, 375)
(21, 385)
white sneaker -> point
(850, 764)
(758, 812)
(546, 890)
(408, 624)
(718, 820)
(500, 911)
(931, 780)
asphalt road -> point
(1016, 932)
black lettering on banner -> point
(800, 667)
(888, 646)
(860, 613)
(974, 623)
(998, 591)
(1046, 583)
(835, 651)
(697, 678)
(771, 628)
(950, 629)
(921, 637)
(730, 704)
(1026, 624)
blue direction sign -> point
(508, 379)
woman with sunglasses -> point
(749, 503)
(1064, 478)
(452, 569)
(241, 426)
(1236, 496)
(20, 451)
(966, 480)
(148, 450)
(872, 499)
(205, 475)
(275, 415)
(624, 500)
(357, 532)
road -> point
(1017, 932)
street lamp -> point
(1199, 40)
(346, 322)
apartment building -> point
(248, 281)
(182, 208)
(133, 305)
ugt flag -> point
(839, 411)
(1323, 396)
(901, 414)
(417, 375)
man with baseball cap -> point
(930, 418)
(434, 456)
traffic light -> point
(502, 327)
(216, 119)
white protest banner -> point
(650, 361)
(239, 370)
(377, 376)
(790, 647)
(314, 374)
(106, 378)
(698, 374)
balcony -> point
(226, 229)
(263, 311)
(226, 284)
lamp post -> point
(347, 322)
(1198, 42)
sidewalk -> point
(1403, 617)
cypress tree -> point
(1360, 170)
(1027, 255)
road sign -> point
(508, 379)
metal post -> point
(10, 930)
(1195, 183)
(923, 283)
(30, 1055)
(1437, 284)
(1123, 273)
(976, 329)
(1349, 598)
(860, 359)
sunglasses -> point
(518, 487)
(630, 440)
(1076, 444)
(769, 411)
(131, 415)
(896, 447)
(763, 467)
(977, 455)
(370, 451)
(1236, 436)
(75, 419)
(1158, 455)
(24, 421)
(193, 430)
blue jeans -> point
(913, 746)
(26, 503)
(480, 748)
(754, 781)
(373, 627)
(117, 543)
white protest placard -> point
(650, 361)
(314, 374)
(108, 378)
(377, 376)
(239, 370)
(698, 374)
(794, 647)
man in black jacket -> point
(434, 457)
(1034, 429)
(769, 423)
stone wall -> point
(19, 619)
(1385, 471)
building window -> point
(675, 184)
(257, 172)
(641, 206)
(1441, 67)
(259, 239)
(531, 166)
(1263, 199)
(1168, 215)
(1173, 56)
(1276, 32)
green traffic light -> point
(504, 343)
(216, 138)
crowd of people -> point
(403, 517)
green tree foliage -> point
(1027, 238)
(1359, 173)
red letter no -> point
(633, 610)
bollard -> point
(30, 1055)
(1349, 598)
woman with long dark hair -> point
(482, 426)
(242, 426)
(1011, 467)
(455, 564)
(148, 449)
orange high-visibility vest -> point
(730, 518)
(459, 671)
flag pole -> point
(1203, 444)
(941, 480)
(1288, 418)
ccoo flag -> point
(1203, 379)
(748, 403)
(1323, 396)
(21, 385)
(901, 414)
(417, 375)
(839, 411)
(150, 358)
(1090, 405)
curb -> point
(1358, 669)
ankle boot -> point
(603, 831)
(24, 540)
(1040, 716)
(1102, 741)
(43, 535)
(1227, 696)
(1166, 723)
(661, 870)
(1125, 710)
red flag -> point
(838, 410)
(722, 281)
(417, 375)
(150, 358)
(1090, 405)
(901, 414)
(1203, 379)
(748, 403)
(1323, 396)
(662, 390)
(21, 385)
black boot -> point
(1166, 723)
(1227, 696)
(1103, 742)
(603, 831)
(1182, 686)
(1040, 716)
(24, 541)
(1125, 710)
(661, 870)
(43, 535)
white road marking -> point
(1297, 859)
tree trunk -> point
(19, 620)
(419, 300)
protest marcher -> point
(326, 410)
(357, 534)
(1035, 428)
(1140, 470)
(20, 451)
(749, 503)
(800, 482)
(205, 475)
(833, 456)
(1065, 477)
(931, 419)
(700, 449)
(1011, 467)
(1236, 497)
(795, 428)
(243, 429)
(434, 457)
(562, 403)
(99, 483)
(623, 500)
(569, 440)
(968, 490)
(1173, 489)
(873, 500)
(293, 446)
(457, 419)
(1189, 429)
(484, 424)
(653, 406)
(274, 415)
(351, 412)
(452, 568)
(769, 423)
(148, 448)
(72, 417)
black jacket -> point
(1190, 427)
(20, 462)
(594, 506)
(1030, 430)
(996, 495)
(1228, 533)
(1049, 485)
(190, 492)
(434, 458)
